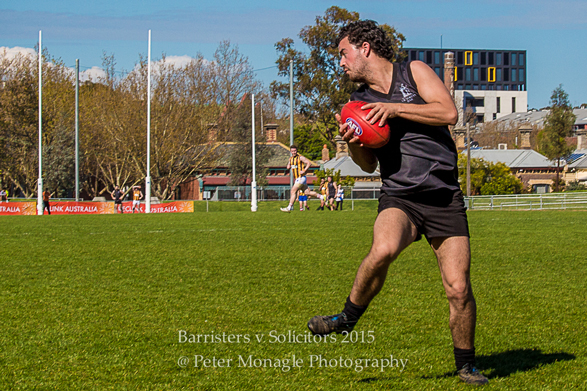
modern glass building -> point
(479, 69)
(491, 83)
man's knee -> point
(459, 293)
(382, 254)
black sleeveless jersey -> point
(418, 157)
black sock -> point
(353, 311)
(464, 356)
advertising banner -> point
(168, 207)
(89, 207)
(18, 208)
(66, 208)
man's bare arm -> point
(439, 109)
(307, 164)
(363, 156)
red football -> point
(371, 135)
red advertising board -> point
(62, 208)
(69, 208)
(18, 208)
(168, 207)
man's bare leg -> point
(292, 197)
(454, 261)
(392, 233)
(312, 193)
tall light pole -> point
(254, 180)
(40, 179)
(148, 178)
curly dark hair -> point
(368, 31)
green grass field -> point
(98, 302)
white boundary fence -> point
(243, 193)
(576, 200)
(528, 201)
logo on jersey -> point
(407, 94)
(354, 125)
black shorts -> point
(118, 202)
(435, 214)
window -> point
(506, 59)
(490, 58)
(469, 58)
(437, 70)
(514, 74)
(513, 105)
(476, 102)
(460, 58)
(475, 74)
(483, 86)
(541, 189)
(521, 74)
(459, 74)
(494, 116)
(521, 58)
(413, 55)
(514, 58)
(421, 56)
(497, 58)
(491, 74)
(468, 74)
(480, 118)
(506, 74)
(437, 57)
(498, 105)
(483, 58)
(475, 86)
(498, 74)
(428, 56)
(483, 74)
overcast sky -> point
(553, 33)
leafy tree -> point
(59, 162)
(240, 159)
(232, 78)
(558, 125)
(192, 106)
(488, 178)
(19, 121)
(575, 186)
(494, 133)
(347, 181)
(321, 88)
(19, 97)
(310, 142)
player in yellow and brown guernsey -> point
(137, 196)
(298, 165)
